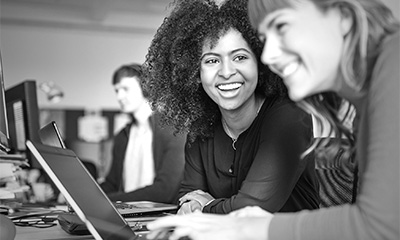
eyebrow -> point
(230, 53)
(273, 16)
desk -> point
(55, 232)
(35, 233)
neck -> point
(239, 120)
(143, 113)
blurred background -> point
(76, 44)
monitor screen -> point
(4, 143)
(23, 118)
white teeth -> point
(230, 86)
(290, 68)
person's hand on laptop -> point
(189, 206)
(194, 201)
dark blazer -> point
(168, 154)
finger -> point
(250, 211)
(166, 222)
(155, 234)
(195, 192)
(199, 191)
(192, 197)
(187, 197)
(194, 206)
(199, 221)
(184, 209)
(181, 232)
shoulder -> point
(284, 116)
(388, 58)
(124, 132)
(386, 71)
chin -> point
(296, 96)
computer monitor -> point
(4, 136)
(23, 118)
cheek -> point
(253, 73)
(134, 96)
(329, 47)
(207, 88)
(329, 63)
(206, 78)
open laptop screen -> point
(50, 135)
(82, 192)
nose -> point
(227, 69)
(271, 51)
(120, 94)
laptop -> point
(88, 200)
(50, 135)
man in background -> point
(147, 160)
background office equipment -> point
(10, 164)
(4, 136)
(23, 117)
(53, 92)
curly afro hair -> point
(171, 72)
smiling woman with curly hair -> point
(173, 63)
(245, 138)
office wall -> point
(80, 62)
(75, 44)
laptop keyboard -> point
(121, 205)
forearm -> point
(227, 205)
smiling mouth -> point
(229, 86)
(290, 69)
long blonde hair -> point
(373, 21)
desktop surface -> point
(55, 232)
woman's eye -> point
(280, 27)
(240, 58)
(211, 61)
(262, 38)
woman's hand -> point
(200, 226)
(189, 207)
(251, 211)
(194, 201)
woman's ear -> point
(346, 20)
